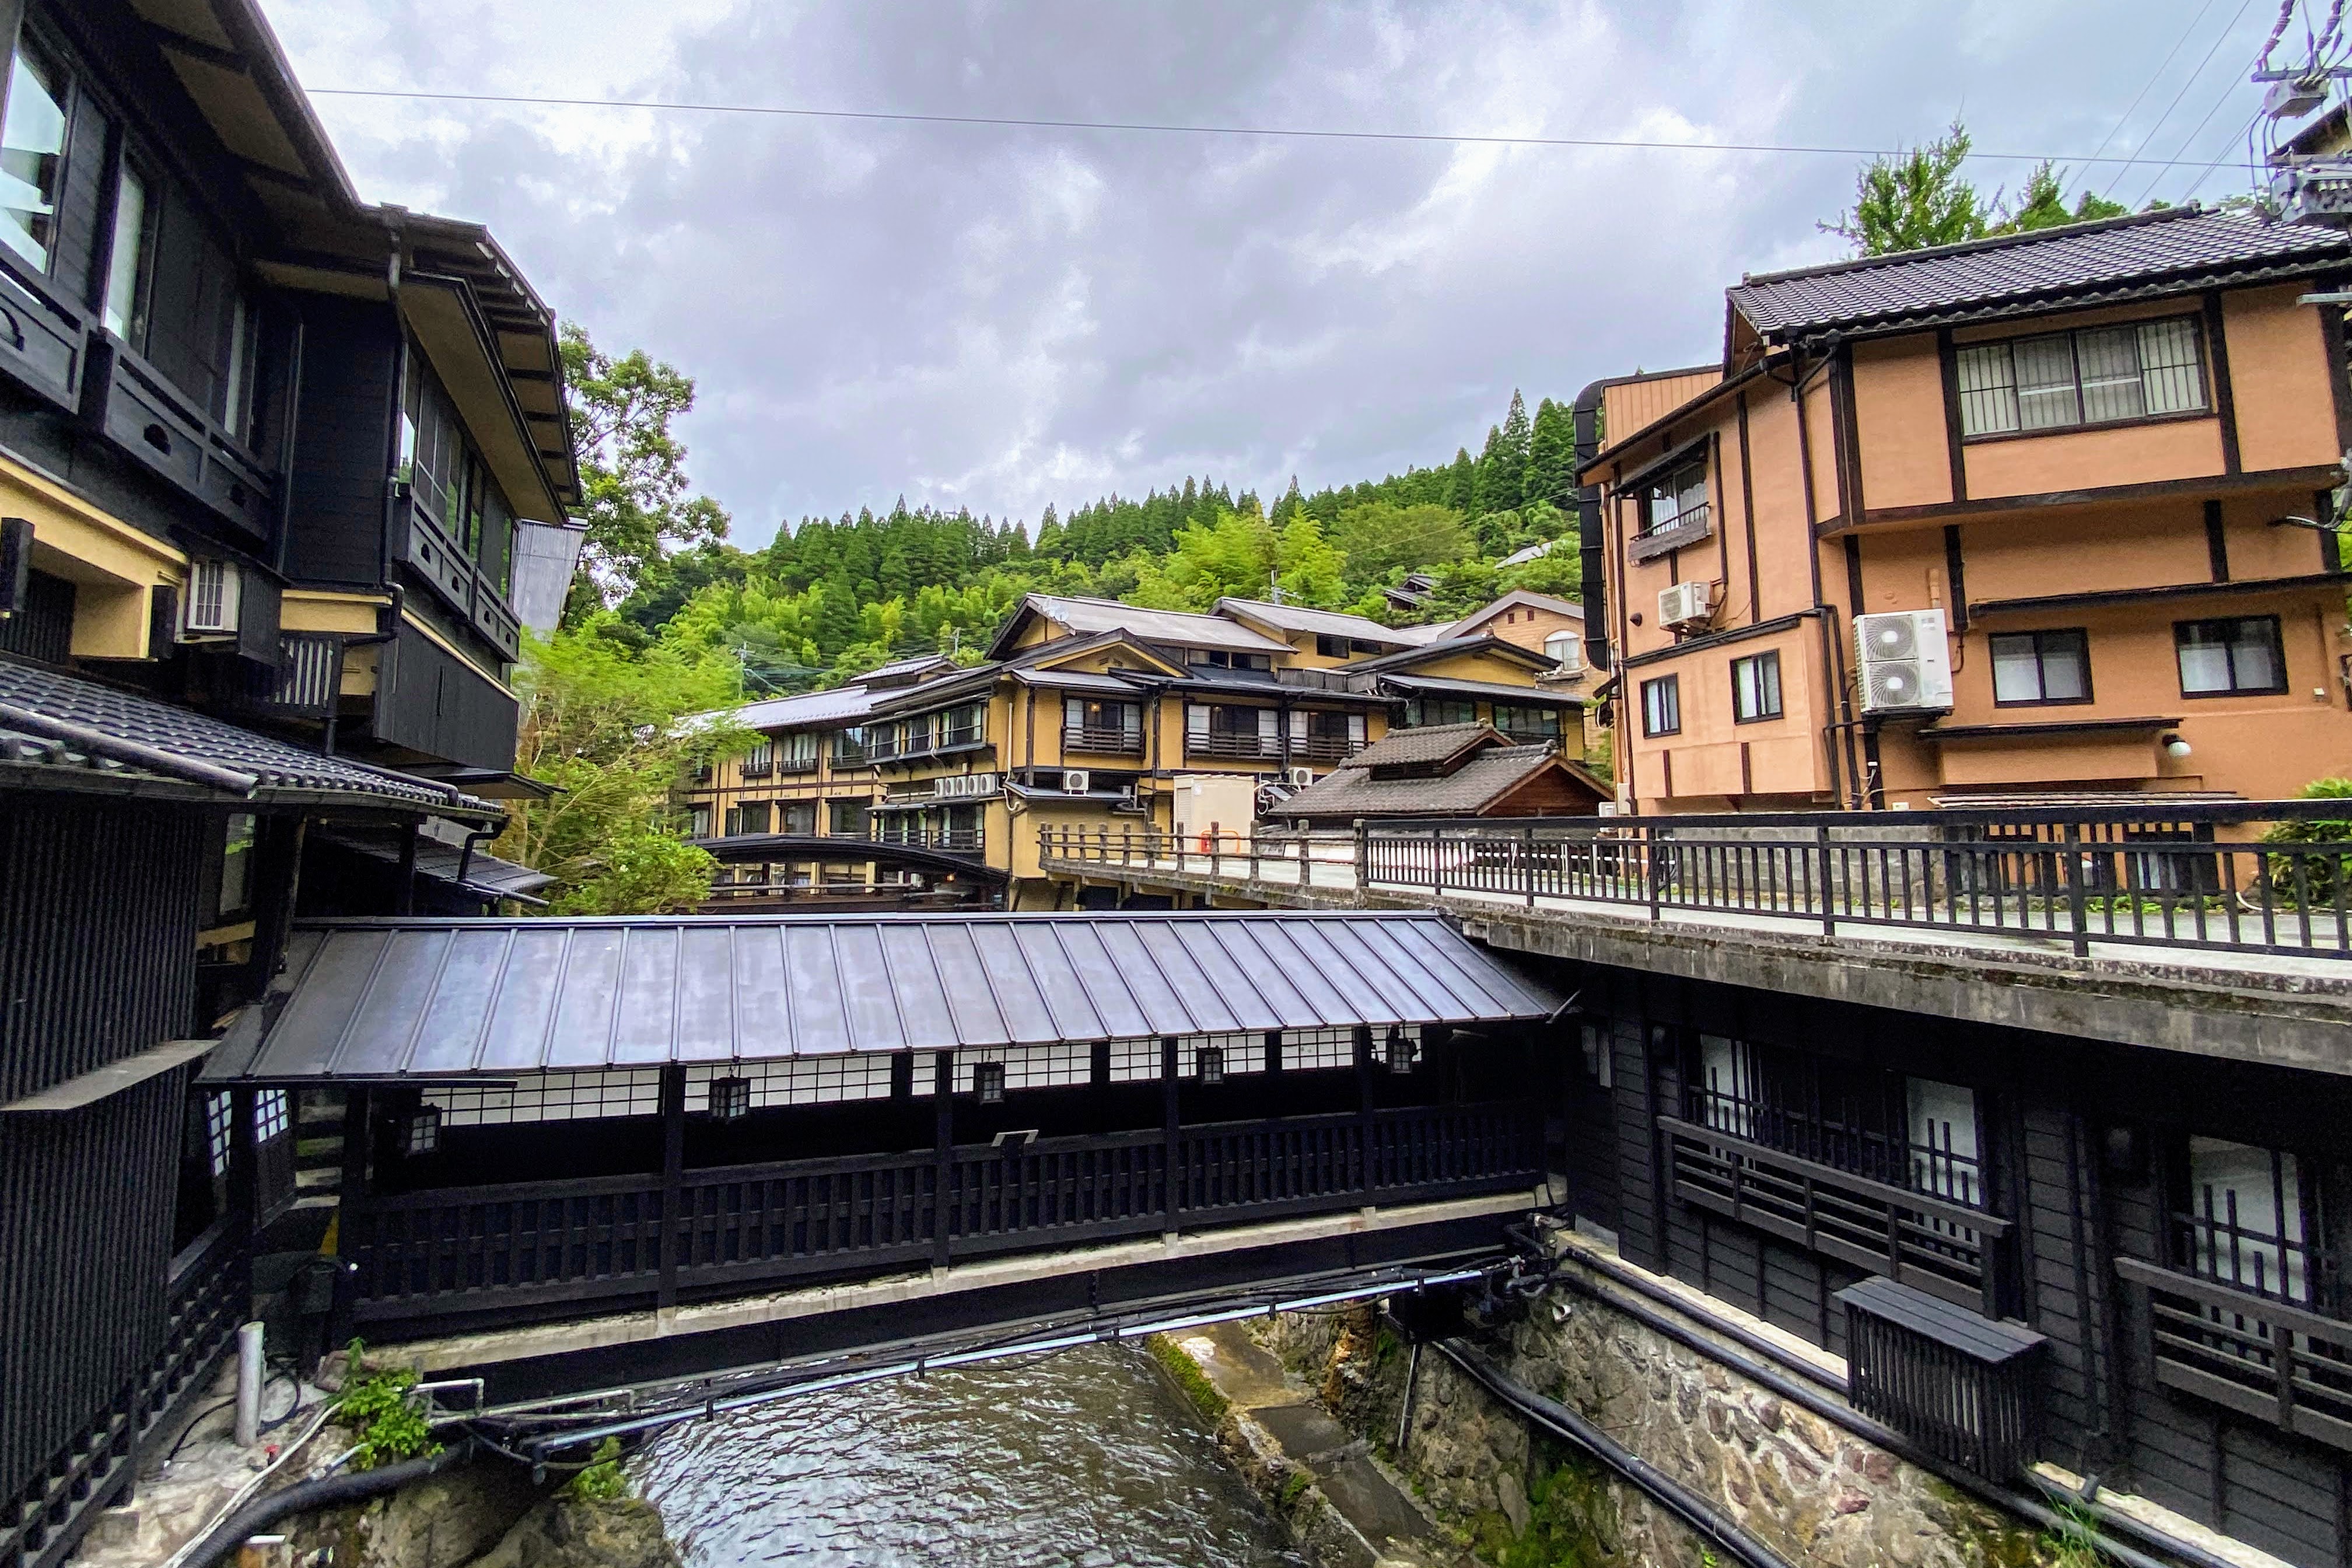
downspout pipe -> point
(1670, 1494)
(317, 1497)
(1592, 542)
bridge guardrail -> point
(2238, 876)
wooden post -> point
(351, 1200)
(244, 1159)
(2075, 905)
(673, 1115)
(1437, 862)
(1527, 866)
(1172, 1194)
(1363, 1108)
(1364, 855)
(404, 893)
(943, 1124)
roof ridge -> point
(1969, 247)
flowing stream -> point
(1088, 1459)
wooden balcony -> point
(1245, 744)
(1323, 748)
(1930, 1243)
(1103, 740)
(43, 340)
(2276, 1362)
(422, 546)
(151, 421)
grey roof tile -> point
(98, 724)
(2177, 249)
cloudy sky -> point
(1000, 317)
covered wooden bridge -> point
(550, 1119)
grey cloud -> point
(1001, 317)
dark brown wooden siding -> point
(98, 933)
(86, 1202)
(342, 450)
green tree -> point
(2043, 204)
(1311, 569)
(1503, 476)
(634, 491)
(600, 723)
(1914, 198)
(1380, 537)
(1551, 455)
(1234, 555)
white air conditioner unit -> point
(211, 606)
(1686, 603)
(1300, 778)
(1906, 666)
(1073, 781)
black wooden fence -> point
(558, 1245)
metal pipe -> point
(248, 1384)
(314, 1497)
(1677, 1499)
(115, 749)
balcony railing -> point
(1103, 740)
(1324, 748)
(1691, 525)
(43, 340)
(145, 417)
(1223, 743)
(946, 738)
(2273, 1360)
(427, 549)
(958, 840)
(1921, 1239)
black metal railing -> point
(2273, 1360)
(968, 840)
(563, 1244)
(1105, 739)
(1936, 1167)
(1921, 1239)
(2250, 877)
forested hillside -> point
(832, 596)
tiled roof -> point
(1490, 690)
(1423, 743)
(1447, 648)
(49, 719)
(2172, 250)
(1353, 791)
(1517, 599)
(1326, 623)
(1182, 628)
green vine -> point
(375, 1407)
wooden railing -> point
(2262, 1357)
(545, 1244)
(1103, 740)
(1324, 748)
(2241, 876)
(1227, 743)
(1948, 1249)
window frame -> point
(1669, 688)
(2278, 658)
(2205, 410)
(1695, 458)
(2040, 663)
(1769, 660)
(68, 97)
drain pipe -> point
(1677, 1499)
(314, 1497)
(1839, 1413)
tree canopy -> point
(635, 496)
(1917, 198)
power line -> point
(1169, 128)
(2152, 78)
(2227, 29)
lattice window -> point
(1243, 1053)
(218, 1125)
(552, 1096)
(1056, 1065)
(272, 1114)
(1307, 1050)
(1134, 1061)
(799, 1080)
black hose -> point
(1841, 1414)
(314, 1497)
(1619, 1274)
(1677, 1499)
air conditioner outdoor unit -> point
(211, 605)
(1300, 778)
(1685, 604)
(1906, 666)
(1073, 781)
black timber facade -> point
(2124, 1203)
(263, 453)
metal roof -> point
(1329, 623)
(486, 875)
(438, 999)
(1493, 690)
(776, 713)
(62, 731)
(1454, 642)
(2167, 251)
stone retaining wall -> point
(1797, 1483)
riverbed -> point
(1088, 1459)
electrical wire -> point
(2149, 136)
(2227, 93)
(1613, 144)
(2153, 76)
(2218, 159)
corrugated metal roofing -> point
(60, 722)
(1329, 623)
(1446, 686)
(2187, 246)
(777, 713)
(396, 999)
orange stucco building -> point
(2070, 481)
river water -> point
(1088, 1459)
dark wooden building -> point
(264, 453)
